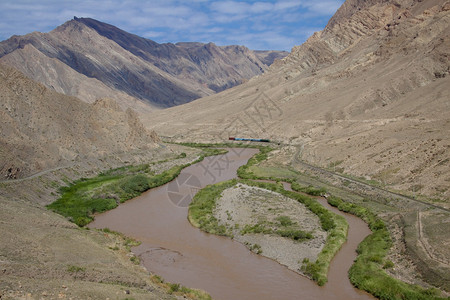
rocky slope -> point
(87, 59)
(367, 96)
(42, 129)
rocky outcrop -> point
(90, 59)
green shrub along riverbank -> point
(201, 215)
(201, 208)
(336, 227)
(367, 273)
(84, 197)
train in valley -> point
(249, 140)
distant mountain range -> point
(90, 59)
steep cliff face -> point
(42, 129)
(368, 93)
(84, 53)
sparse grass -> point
(75, 269)
(285, 221)
(178, 290)
(388, 264)
(127, 170)
(272, 173)
(83, 198)
(182, 155)
(201, 215)
(128, 242)
(244, 172)
(256, 248)
(285, 228)
(256, 228)
(294, 234)
(325, 216)
(335, 225)
(134, 259)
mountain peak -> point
(162, 75)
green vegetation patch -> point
(335, 225)
(294, 234)
(201, 208)
(244, 171)
(76, 201)
(204, 202)
(337, 236)
(85, 197)
(271, 173)
(285, 228)
(367, 273)
(310, 190)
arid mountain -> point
(368, 95)
(42, 129)
(90, 59)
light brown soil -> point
(244, 205)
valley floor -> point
(40, 246)
(420, 252)
(44, 255)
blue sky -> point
(259, 25)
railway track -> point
(380, 190)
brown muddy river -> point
(180, 253)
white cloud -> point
(325, 7)
(231, 7)
(260, 7)
(152, 34)
(278, 24)
(282, 5)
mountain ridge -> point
(161, 75)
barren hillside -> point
(368, 96)
(42, 129)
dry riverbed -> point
(244, 208)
